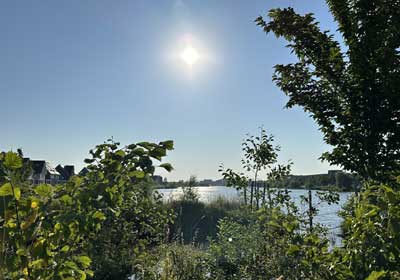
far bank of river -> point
(327, 216)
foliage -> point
(47, 231)
(189, 193)
(195, 222)
(138, 222)
(337, 180)
(124, 239)
(259, 154)
(239, 181)
(351, 92)
(176, 262)
(235, 246)
(372, 242)
(270, 246)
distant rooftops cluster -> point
(44, 173)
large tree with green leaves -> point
(350, 89)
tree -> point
(351, 92)
(188, 191)
(259, 153)
(236, 180)
(345, 181)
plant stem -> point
(19, 227)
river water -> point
(327, 215)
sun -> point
(190, 55)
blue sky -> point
(74, 73)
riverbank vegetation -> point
(110, 224)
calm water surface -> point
(328, 214)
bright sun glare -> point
(190, 55)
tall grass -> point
(196, 222)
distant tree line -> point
(338, 180)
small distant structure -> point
(157, 179)
(83, 171)
(66, 171)
(44, 173)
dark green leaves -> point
(351, 92)
(166, 166)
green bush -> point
(372, 241)
(49, 232)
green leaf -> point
(65, 248)
(6, 189)
(12, 161)
(375, 275)
(99, 215)
(169, 144)
(66, 199)
(158, 153)
(137, 173)
(167, 166)
(293, 249)
(84, 260)
(44, 190)
(120, 153)
(146, 145)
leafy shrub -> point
(47, 232)
(372, 243)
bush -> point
(49, 232)
(372, 241)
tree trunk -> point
(251, 194)
(269, 196)
(257, 190)
(264, 187)
(310, 210)
(245, 194)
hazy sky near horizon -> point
(74, 73)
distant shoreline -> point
(315, 188)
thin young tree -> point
(259, 153)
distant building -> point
(44, 173)
(83, 171)
(66, 171)
(157, 179)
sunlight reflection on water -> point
(327, 215)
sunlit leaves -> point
(6, 190)
(44, 191)
(49, 228)
(12, 161)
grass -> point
(196, 222)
